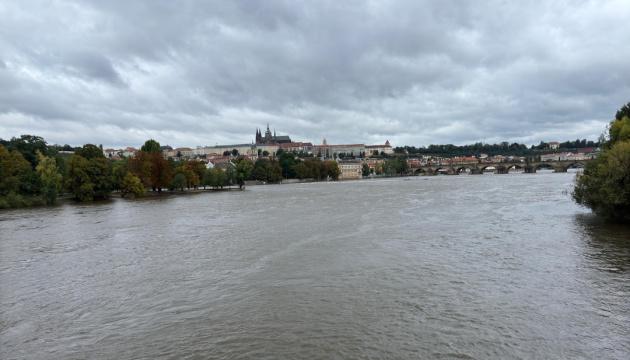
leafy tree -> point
(244, 170)
(179, 181)
(120, 169)
(89, 179)
(365, 169)
(153, 170)
(604, 186)
(100, 172)
(151, 146)
(79, 182)
(28, 146)
(90, 151)
(131, 184)
(50, 178)
(189, 170)
(287, 162)
(267, 170)
(207, 179)
(623, 112)
(234, 152)
(215, 178)
(395, 166)
(14, 171)
(330, 169)
(301, 170)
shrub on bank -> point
(13, 200)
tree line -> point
(504, 148)
(35, 173)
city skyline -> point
(414, 73)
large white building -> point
(350, 169)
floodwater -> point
(468, 267)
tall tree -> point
(244, 170)
(15, 171)
(50, 178)
(79, 182)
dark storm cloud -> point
(414, 72)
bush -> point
(131, 184)
(605, 184)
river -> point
(469, 267)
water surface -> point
(473, 267)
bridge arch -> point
(514, 167)
(464, 168)
(574, 165)
(442, 170)
(545, 166)
(422, 171)
(489, 167)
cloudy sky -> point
(415, 72)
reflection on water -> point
(607, 243)
(485, 267)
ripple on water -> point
(481, 267)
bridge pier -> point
(501, 170)
(559, 169)
(530, 170)
(476, 171)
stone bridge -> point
(497, 167)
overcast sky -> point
(191, 73)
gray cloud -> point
(414, 72)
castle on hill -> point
(269, 139)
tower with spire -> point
(269, 137)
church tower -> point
(268, 137)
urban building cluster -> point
(350, 158)
(267, 144)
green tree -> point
(151, 146)
(90, 151)
(131, 184)
(301, 170)
(89, 179)
(604, 186)
(100, 171)
(120, 169)
(179, 181)
(29, 146)
(215, 178)
(208, 178)
(50, 178)
(244, 170)
(267, 170)
(330, 168)
(287, 162)
(79, 182)
(365, 169)
(13, 170)
(153, 170)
